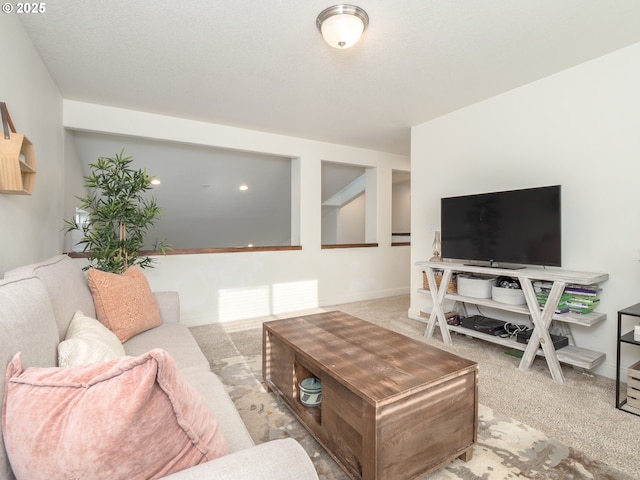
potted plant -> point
(118, 215)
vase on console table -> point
(437, 246)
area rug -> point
(506, 448)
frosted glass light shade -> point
(342, 31)
(342, 25)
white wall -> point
(330, 224)
(352, 221)
(31, 224)
(579, 128)
(226, 287)
(401, 207)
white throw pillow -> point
(88, 341)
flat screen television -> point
(516, 226)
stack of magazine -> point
(575, 298)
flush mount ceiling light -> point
(342, 26)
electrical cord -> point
(513, 329)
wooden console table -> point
(541, 318)
(392, 407)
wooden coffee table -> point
(392, 407)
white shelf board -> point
(571, 355)
(584, 319)
(534, 273)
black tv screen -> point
(516, 226)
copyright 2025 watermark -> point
(26, 8)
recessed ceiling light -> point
(244, 187)
(156, 181)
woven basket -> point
(451, 288)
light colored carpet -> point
(506, 448)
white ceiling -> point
(263, 65)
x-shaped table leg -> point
(541, 323)
(437, 313)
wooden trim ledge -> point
(194, 251)
(348, 245)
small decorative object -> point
(310, 392)
(437, 246)
(636, 333)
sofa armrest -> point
(169, 306)
(283, 459)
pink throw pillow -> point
(128, 418)
(124, 303)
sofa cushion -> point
(282, 459)
(124, 303)
(27, 325)
(215, 396)
(176, 339)
(129, 418)
(67, 286)
(88, 341)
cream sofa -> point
(37, 303)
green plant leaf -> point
(115, 196)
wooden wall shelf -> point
(17, 165)
(17, 158)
